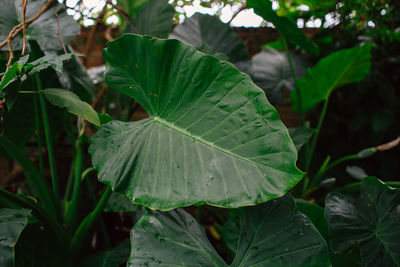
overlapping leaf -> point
(333, 71)
(209, 35)
(212, 137)
(272, 234)
(371, 221)
(44, 29)
(12, 222)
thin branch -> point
(243, 7)
(24, 4)
(18, 28)
(58, 29)
(126, 16)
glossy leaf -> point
(316, 215)
(43, 30)
(286, 27)
(370, 221)
(155, 19)
(12, 222)
(109, 258)
(66, 99)
(211, 137)
(209, 35)
(300, 136)
(276, 234)
(340, 68)
(172, 238)
(272, 234)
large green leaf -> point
(172, 238)
(272, 234)
(66, 99)
(209, 35)
(276, 234)
(370, 220)
(340, 68)
(44, 29)
(12, 222)
(155, 19)
(211, 137)
(286, 27)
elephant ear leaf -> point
(172, 238)
(370, 220)
(211, 136)
(12, 222)
(276, 234)
(340, 68)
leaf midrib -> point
(203, 141)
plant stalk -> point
(50, 151)
(87, 224)
(71, 217)
(316, 135)
(292, 71)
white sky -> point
(246, 18)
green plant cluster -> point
(212, 142)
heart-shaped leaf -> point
(212, 137)
(340, 68)
(370, 220)
(12, 222)
(272, 234)
(209, 35)
(44, 29)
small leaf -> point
(54, 61)
(12, 222)
(70, 101)
(10, 76)
(286, 28)
(340, 68)
(209, 35)
(370, 221)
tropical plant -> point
(211, 144)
